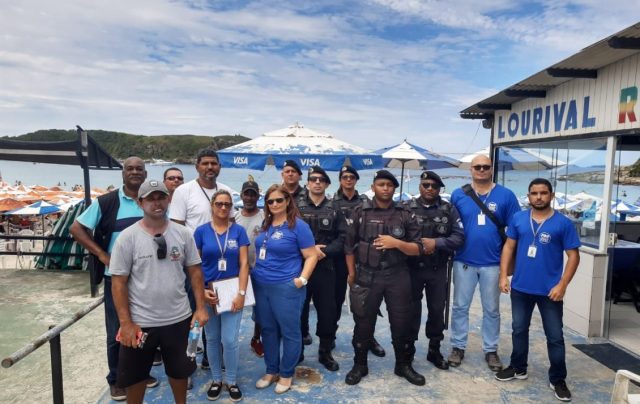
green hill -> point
(178, 148)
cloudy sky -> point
(372, 72)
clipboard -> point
(227, 290)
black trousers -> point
(340, 266)
(394, 286)
(321, 288)
(433, 281)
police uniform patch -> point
(445, 219)
(437, 219)
(397, 231)
(325, 221)
(442, 229)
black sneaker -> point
(510, 373)
(205, 363)
(561, 391)
(214, 391)
(157, 358)
(307, 340)
(234, 392)
(152, 382)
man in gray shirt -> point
(148, 291)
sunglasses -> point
(348, 177)
(275, 200)
(221, 205)
(480, 167)
(427, 185)
(162, 246)
(174, 177)
(317, 179)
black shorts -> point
(135, 364)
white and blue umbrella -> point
(410, 156)
(305, 146)
(37, 208)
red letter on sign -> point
(628, 99)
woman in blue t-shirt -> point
(285, 259)
(223, 246)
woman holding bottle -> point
(286, 258)
(223, 246)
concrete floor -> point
(33, 300)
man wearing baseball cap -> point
(291, 175)
(380, 239)
(346, 199)
(441, 235)
(148, 291)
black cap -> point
(250, 185)
(292, 164)
(348, 169)
(318, 170)
(430, 175)
(386, 175)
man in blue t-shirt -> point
(477, 262)
(538, 237)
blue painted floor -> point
(472, 382)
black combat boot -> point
(434, 356)
(376, 348)
(324, 355)
(403, 364)
(360, 368)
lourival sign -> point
(568, 117)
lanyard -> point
(226, 236)
(535, 232)
(486, 198)
(205, 193)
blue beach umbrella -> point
(37, 208)
(306, 146)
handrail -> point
(49, 335)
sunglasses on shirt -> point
(275, 200)
(174, 177)
(221, 205)
(162, 246)
(480, 167)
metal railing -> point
(53, 337)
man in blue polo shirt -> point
(92, 219)
(477, 262)
(538, 237)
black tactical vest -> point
(321, 219)
(434, 223)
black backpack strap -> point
(109, 205)
(472, 194)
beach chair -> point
(24, 261)
(620, 394)
(3, 248)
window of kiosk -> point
(575, 168)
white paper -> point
(227, 290)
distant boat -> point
(160, 162)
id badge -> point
(222, 264)
(263, 253)
(531, 252)
(481, 219)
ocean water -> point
(67, 176)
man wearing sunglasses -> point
(173, 178)
(346, 199)
(149, 295)
(381, 238)
(478, 261)
(319, 213)
(442, 234)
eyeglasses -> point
(275, 200)
(348, 177)
(162, 246)
(432, 185)
(174, 177)
(221, 205)
(480, 167)
(317, 179)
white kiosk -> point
(581, 119)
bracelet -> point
(303, 280)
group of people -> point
(173, 251)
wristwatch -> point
(303, 280)
(242, 292)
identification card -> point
(263, 253)
(481, 219)
(531, 252)
(222, 264)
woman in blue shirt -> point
(223, 246)
(284, 247)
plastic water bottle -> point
(192, 344)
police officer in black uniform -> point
(318, 211)
(291, 175)
(380, 240)
(346, 199)
(441, 235)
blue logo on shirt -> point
(545, 238)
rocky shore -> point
(621, 177)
